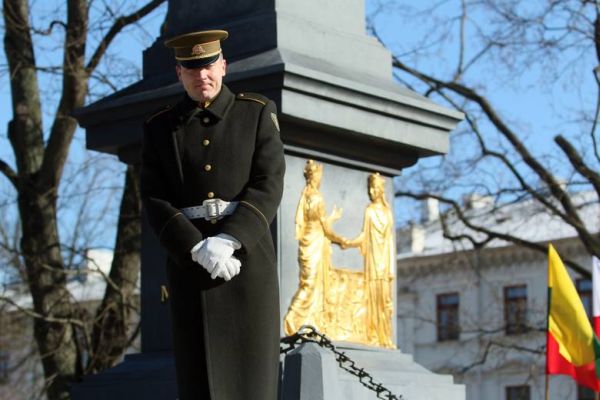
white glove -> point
(196, 249)
(215, 250)
(228, 269)
(232, 241)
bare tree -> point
(476, 47)
(60, 328)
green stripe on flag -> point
(597, 355)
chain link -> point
(310, 334)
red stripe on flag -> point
(556, 364)
(596, 295)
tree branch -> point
(110, 325)
(25, 129)
(461, 50)
(578, 162)
(477, 244)
(491, 233)
(74, 89)
(118, 25)
(597, 113)
(134, 335)
(48, 31)
(10, 173)
(591, 242)
(47, 318)
(467, 93)
(486, 352)
(485, 151)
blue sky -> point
(531, 99)
(532, 104)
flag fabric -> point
(596, 295)
(572, 347)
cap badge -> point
(198, 50)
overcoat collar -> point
(187, 108)
(217, 108)
(220, 105)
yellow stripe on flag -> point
(567, 320)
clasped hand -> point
(215, 254)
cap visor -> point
(199, 62)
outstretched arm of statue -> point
(356, 242)
(327, 222)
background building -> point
(480, 313)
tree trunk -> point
(110, 335)
(39, 167)
(47, 284)
(40, 244)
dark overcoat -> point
(225, 334)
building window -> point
(515, 309)
(3, 367)
(584, 288)
(520, 392)
(448, 327)
(585, 393)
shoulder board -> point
(157, 113)
(252, 97)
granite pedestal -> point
(394, 370)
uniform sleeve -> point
(260, 199)
(174, 230)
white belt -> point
(210, 209)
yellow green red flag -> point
(572, 347)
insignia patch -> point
(198, 50)
(275, 121)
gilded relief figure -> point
(314, 235)
(345, 304)
(376, 243)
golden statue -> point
(314, 235)
(376, 243)
(354, 306)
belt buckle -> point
(211, 208)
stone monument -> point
(338, 106)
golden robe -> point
(314, 258)
(377, 249)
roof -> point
(527, 219)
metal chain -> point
(310, 334)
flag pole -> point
(595, 303)
(547, 397)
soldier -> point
(212, 179)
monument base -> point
(311, 372)
(139, 376)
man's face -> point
(204, 83)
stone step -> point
(311, 372)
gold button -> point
(206, 142)
(213, 221)
(206, 120)
(211, 195)
(207, 167)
